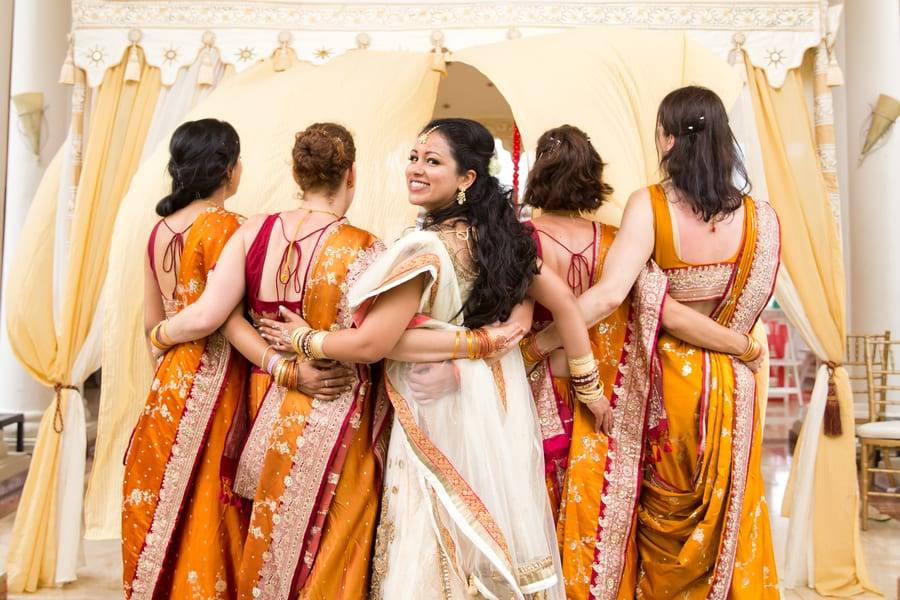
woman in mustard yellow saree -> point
(702, 528)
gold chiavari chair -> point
(880, 433)
(855, 363)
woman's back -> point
(699, 257)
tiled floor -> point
(100, 578)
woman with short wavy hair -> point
(702, 519)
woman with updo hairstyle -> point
(465, 511)
(566, 183)
(702, 526)
(309, 463)
(182, 533)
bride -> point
(464, 508)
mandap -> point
(137, 68)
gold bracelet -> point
(456, 344)
(583, 365)
(317, 344)
(263, 361)
(154, 337)
(470, 345)
(753, 349)
(296, 338)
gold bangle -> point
(753, 349)
(154, 337)
(583, 365)
(296, 338)
(456, 344)
(470, 345)
(263, 361)
(161, 334)
(317, 344)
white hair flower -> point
(494, 166)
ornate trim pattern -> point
(172, 33)
(253, 456)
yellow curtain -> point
(811, 254)
(383, 98)
(608, 82)
(48, 351)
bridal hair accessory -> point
(423, 137)
(494, 166)
(694, 127)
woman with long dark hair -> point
(182, 531)
(702, 520)
(465, 510)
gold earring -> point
(461, 197)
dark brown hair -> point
(322, 154)
(704, 161)
(568, 172)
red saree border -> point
(193, 428)
(629, 400)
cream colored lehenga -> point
(465, 509)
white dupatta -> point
(476, 453)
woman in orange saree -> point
(311, 462)
(582, 467)
(702, 521)
(182, 531)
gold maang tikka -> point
(423, 137)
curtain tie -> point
(57, 415)
(832, 417)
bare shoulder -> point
(639, 198)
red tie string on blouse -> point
(578, 264)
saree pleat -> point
(703, 528)
(182, 534)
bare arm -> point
(548, 289)
(430, 345)
(224, 290)
(244, 337)
(154, 312)
(695, 328)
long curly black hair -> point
(704, 161)
(201, 156)
(505, 254)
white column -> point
(38, 49)
(872, 50)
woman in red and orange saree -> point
(182, 534)
(311, 463)
(590, 476)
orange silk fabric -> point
(204, 548)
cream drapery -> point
(611, 86)
(382, 97)
(50, 348)
(811, 256)
(101, 516)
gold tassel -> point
(282, 60)
(206, 74)
(832, 418)
(133, 67)
(835, 76)
(67, 72)
(438, 63)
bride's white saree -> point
(465, 509)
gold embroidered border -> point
(742, 439)
(188, 440)
(476, 512)
(545, 401)
(693, 284)
(250, 464)
(763, 270)
(299, 501)
(500, 383)
(623, 464)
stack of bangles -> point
(531, 354)
(479, 344)
(158, 335)
(309, 343)
(585, 378)
(753, 349)
(284, 371)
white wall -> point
(38, 49)
(872, 66)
